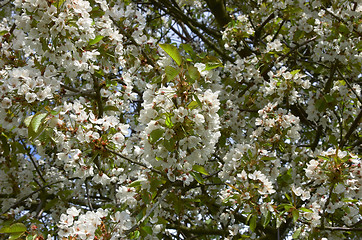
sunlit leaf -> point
(197, 177)
(171, 72)
(95, 40)
(14, 228)
(200, 169)
(37, 120)
(173, 52)
(156, 134)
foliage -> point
(185, 119)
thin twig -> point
(32, 160)
(136, 163)
(166, 191)
(29, 195)
(349, 85)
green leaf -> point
(50, 205)
(95, 40)
(111, 108)
(197, 177)
(3, 32)
(156, 135)
(193, 72)
(171, 73)
(147, 229)
(37, 120)
(31, 237)
(288, 197)
(197, 100)
(156, 79)
(99, 73)
(14, 236)
(168, 121)
(266, 158)
(200, 169)
(193, 105)
(210, 66)
(252, 223)
(267, 219)
(187, 48)
(297, 233)
(321, 105)
(5, 145)
(146, 196)
(28, 120)
(14, 228)
(173, 52)
(135, 235)
(135, 184)
(169, 144)
(287, 207)
(96, 12)
(349, 200)
(328, 98)
(295, 72)
(212, 63)
(305, 209)
(295, 214)
(58, 3)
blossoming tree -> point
(180, 119)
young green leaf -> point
(28, 120)
(173, 52)
(252, 223)
(14, 228)
(156, 134)
(297, 233)
(95, 40)
(200, 169)
(197, 177)
(267, 219)
(193, 72)
(295, 214)
(111, 108)
(305, 209)
(37, 120)
(171, 73)
(147, 229)
(15, 236)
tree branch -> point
(137, 163)
(353, 127)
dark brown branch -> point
(353, 127)
(260, 27)
(280, 28)
(217, 8)
(180, 34)
(329, 82)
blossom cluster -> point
(178, 135)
